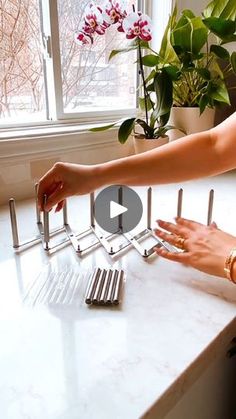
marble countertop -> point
(101, 362)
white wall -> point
(196, 6)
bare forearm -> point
(187, 158)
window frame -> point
(52, 72)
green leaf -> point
(164, 92)
(148, 130)
(167, 52)
(220, 27)
(219, 93)
(142, 104)
(203, 102)
(228, 39)
(150, 60)
(220, 52)
(221, 8)
(190, 37)
(204, 73)
(114, 52)
(150, 87)
(151, 76)
(186, 15)
(173, 72)
(233, 61)
(104, 127)
(125, 130)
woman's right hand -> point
(64, 180)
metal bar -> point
(115, 298)
(180, 202)
(14, 229)
(45, 224)
(102, 239)
(92, 210)
(38, 214)
(92, 285)
(135, 243)
(149, 208)
(65, 215)
(111, 285)
(72, 238)
(105, 287)
(166, 245)
(99, 286)
(120, 201)
(210, 207)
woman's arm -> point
(194, 156)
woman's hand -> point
(204, 247)
(64, 180)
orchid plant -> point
(156, 99)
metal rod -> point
(115, 298)
(14, 229)
(46, 224)
(149, 208)
(65, 215)
(105, 287)
(92, 286)
(98, 290)
(38, 214)
(210, 207)
(120, 201)
(180, 202)
(92, 210)
(111, 287)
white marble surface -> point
(83, 362)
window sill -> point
(40, 142)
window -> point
(21, 63)
(89, 81)
(45, 77)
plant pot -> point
(190, 120)
(142, 144)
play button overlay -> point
(118, 208)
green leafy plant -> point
(193, 56)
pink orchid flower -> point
(116, 13)
(137, 25)
(83, 39)
(94, 21)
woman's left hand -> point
(204, 247)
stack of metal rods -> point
(104, 287)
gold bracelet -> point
(229, 261)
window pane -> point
(21, 66)
(90, 82)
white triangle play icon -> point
(116, 209)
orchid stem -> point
(143, 80)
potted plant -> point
(155, 90)
(199, 83)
